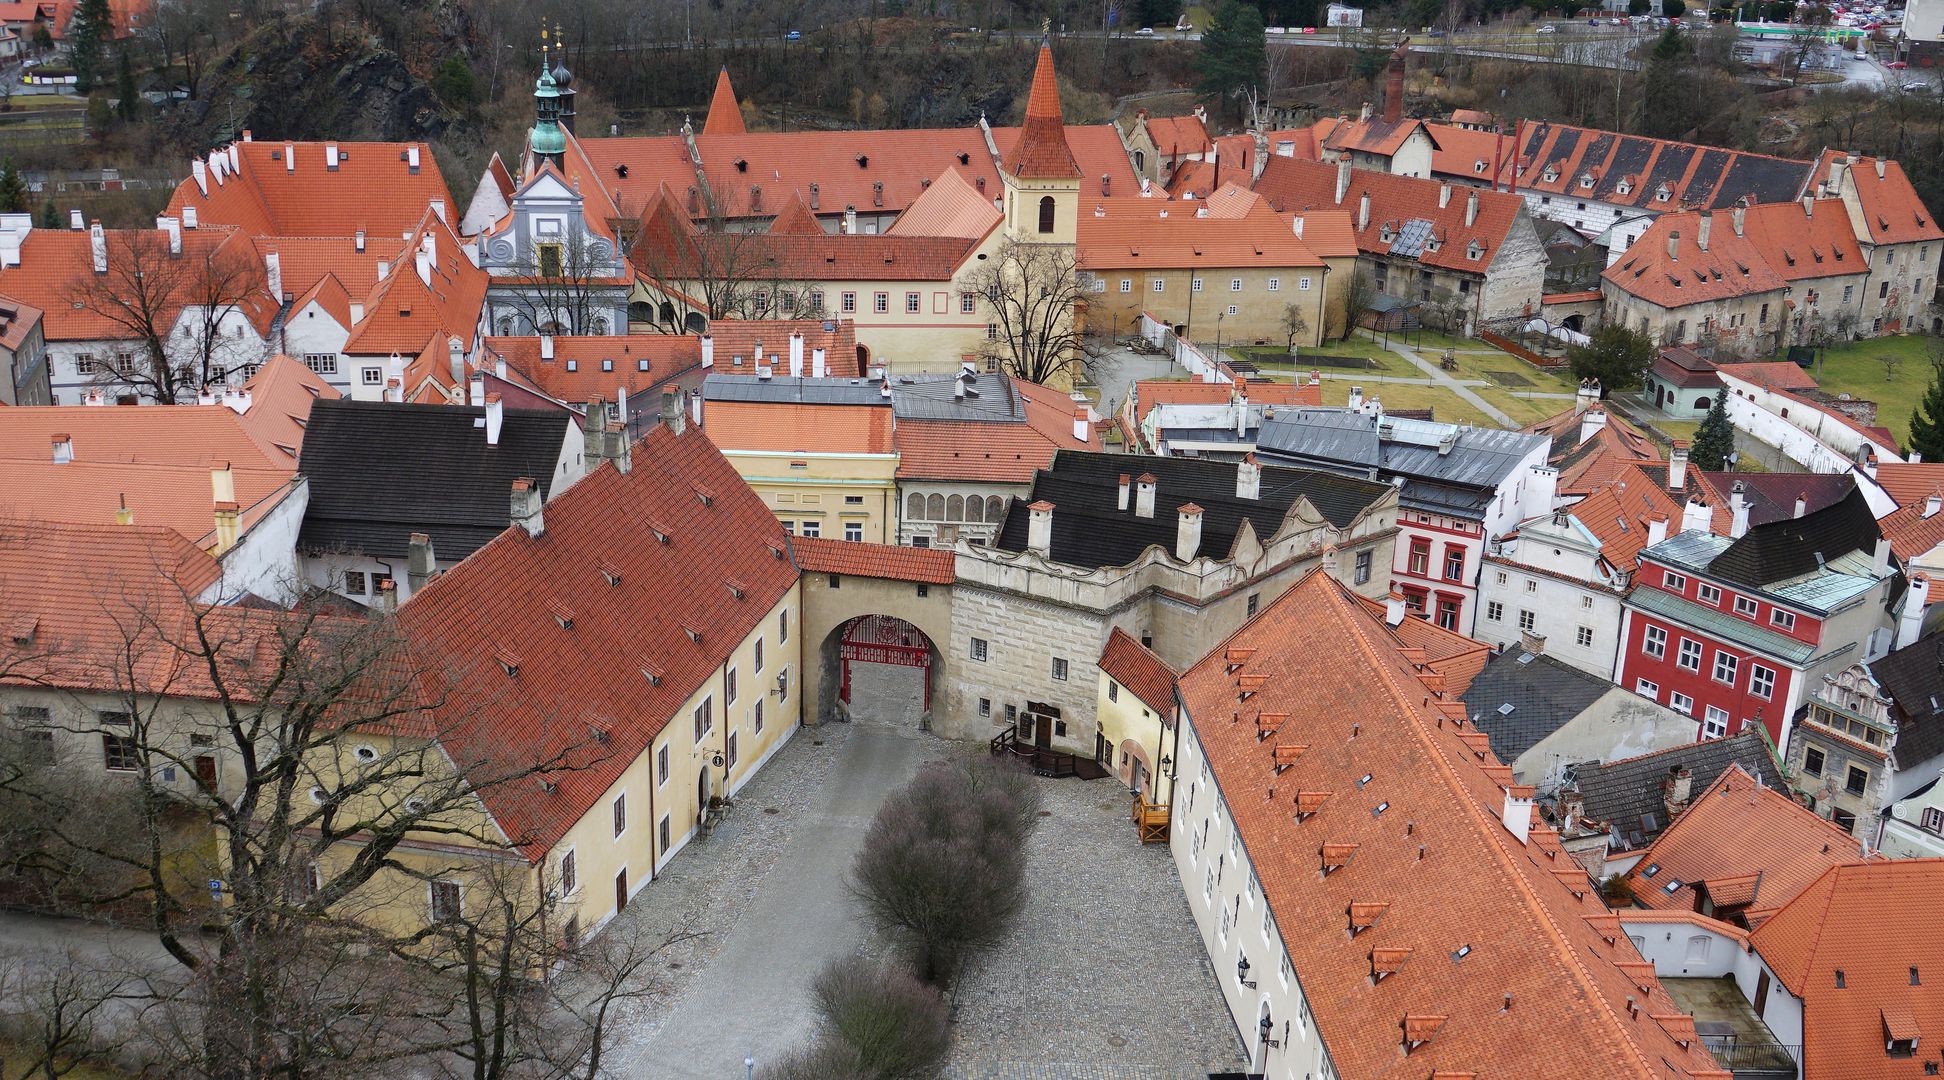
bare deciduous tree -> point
(1031, 294)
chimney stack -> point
(476, 389)
(1342, 179)
(1471, 208)
(174, 228)
(1586, 397)
(1674, 244)
(1677, 790)
(64, 453)
(526, 506)
(1395, 608)
(1656, 530)
(1517, 815)
(1696, 516)
(1737, 215)
(1737, 511)
(1591, 421)
(1933, 503)
(1802, 505)
(222, 488)
(1188, 532)
(671, 412)
(1144, 495)
(1532, 642)
(125, 516)
(273, 275)
(1677, 461)
(1248, 479)
(1444, 195)
(1363, 211)
(495, 416)
(1910, 624)
(1125, 480)
(77, 222)
(1394, 87)
(593, 431)
(1702, 230)
(98, 247)
(419, 562)
(620, 449)
(1039, 528)
(796, 355)
(817, 364)
(708, 350)
(1082, 425)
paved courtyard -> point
(1105, 976)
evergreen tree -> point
(1927, 420)
(13, 190)
(1714, 441)
(1615, 355)
(93, 26)
(1665, 99)
(1232, 55)
(455, 84)
(100, 117)
(50, 215)
(129, 104)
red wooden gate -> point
(881, 639)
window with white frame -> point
(1761, 681)
(1526, 619)
(1160, 285)
(1275, 284)
(1745, 607)
(1654, 642)
(1127, 285)
(980, 649)
(1726, 667)
(1675, 582)
(1690, 657)
(1708, 594)
(1235, 284)
(1583, 636)
(1303, 284)
(1647, 688)
(1195, 285)
(1784, 620)
(1681, 703)
(322, 363)
(1715, 724)
(1495, 611)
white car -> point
(1145, 31)
(1547, 29)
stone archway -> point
(880, 669)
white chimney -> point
(76, 221)
(1363, 211)
(330, 156)
(438, 208)
(1674, 244)
(422, 262)
(708, 350)
(1144, 495)
(1355, 401)
(94, 396)
(1342, 180)
(1039, 528)
(1444, 195)
(63, 449)
(817, 368)
(1082, 425)
(796, 355)
(495, 416)
(1471, 208)
(1296, 223)
(1880, 558)
(546, 347)
(174, 229)
(1656, 530)
(1188, 532)
(235, 164)
(456, 359)
(1248, 478)
(1933, 503)
(1737, 511)
(239, 401)
(850, 221)
(189, 219)
(526, 506)
(1802, 506)
(273, 275)
(1696, 516)
(412, 158)
(1677, 462)
(1517, 816)
(98, 247)
(290, 157)
(1705, 226)
(476, 389)
(884, 388)
(1395, 609)
(200, 172)
(1910, 622)
(1125, 480)
(204, 396)
(1591, 421)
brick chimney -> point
(1188, 532)
(1039, 528)
(420, 564)
(526, 506)
(1144, 495)
(1532, 642)
(1676, 790)
(1394, 87)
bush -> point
(825, 1059)
(896, 1025)
(943, 866)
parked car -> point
(1547, 29)
(794, 35)
(1145, 31)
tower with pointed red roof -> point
(725, 116)
(1041, 179)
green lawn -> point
(1856, 369)
(1446, 406)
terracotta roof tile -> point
(1137, 233)
(595, 674)
(1731, 266)
(403, 311)
(1179, 135)
(1294, 185)
(1737, 828)
(1145, 675)
(1873, 926)
(56, 266)
(932, 566)
(583, 368)
(795, 219)
(792, 427)
(1041, 150)
(949, 207)
(1152, 392)
(725, 114)
(1774, 374)
(1907, 483)
(372, 188)
(1804, 246)
(1448, 653)
(1910, 533)
(1892, 211)
(1483, 914)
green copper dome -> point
(546, 137)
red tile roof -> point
(1910, 483)
(1892, 211)
(281, 393)
(1149, 393)
(1136, 234)
(1292, 184)
(725, 115)
(1177, 136)
(1041, 151)
(1874, 927)
(303, 261)
(572, 681)
(1411, 813)
(1136, 667)
(1729, 267)
(666, 356)
(373, 188)
(1373, 136)
(56, 271)
(795, 219)
(671, 248)
(1910, 533)
(1774, 374)
(793, 427)
(1451, 654)
(1683, 367)
(740, 337)
(1002, 452)
(1803, 246)
(1734, 829)
(933, 566)
(404, 311)
(155, 460)
(949, 207)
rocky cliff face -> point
(295, 79)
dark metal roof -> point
(1542, 693)
(380, 472)
(801, 391)
(1792, 546)
(934, 397)
(1913, 676)
(1090, 529)
(1462, 477)
(1625, 793)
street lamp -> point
(1219, 316)
(1242, 973)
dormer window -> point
(1624, 187)
(1586, 181)
(1478, 166)
(1663, 193)
(1387, 234)
(1432, 242)
(1551, 174)
(1474, 251)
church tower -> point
(546, 141)
(564, 81)
(1041, 180)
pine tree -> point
(1232, 55)
(1666, 89)
(92, 27)
(1714, 441)
(1927, 420)
(50, 215)
(127, 105)
(13, 190)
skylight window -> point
(1652, 869)
(1673, 886)
(1507, 709)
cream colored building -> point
(818, 452)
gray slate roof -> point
(1626, 794)
(1913, 676)
(785, 389)
(1461, 478)
(932, 397)
(1543, 695)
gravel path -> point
(1105, 975)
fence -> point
(1162, 336)
(1520, 351)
